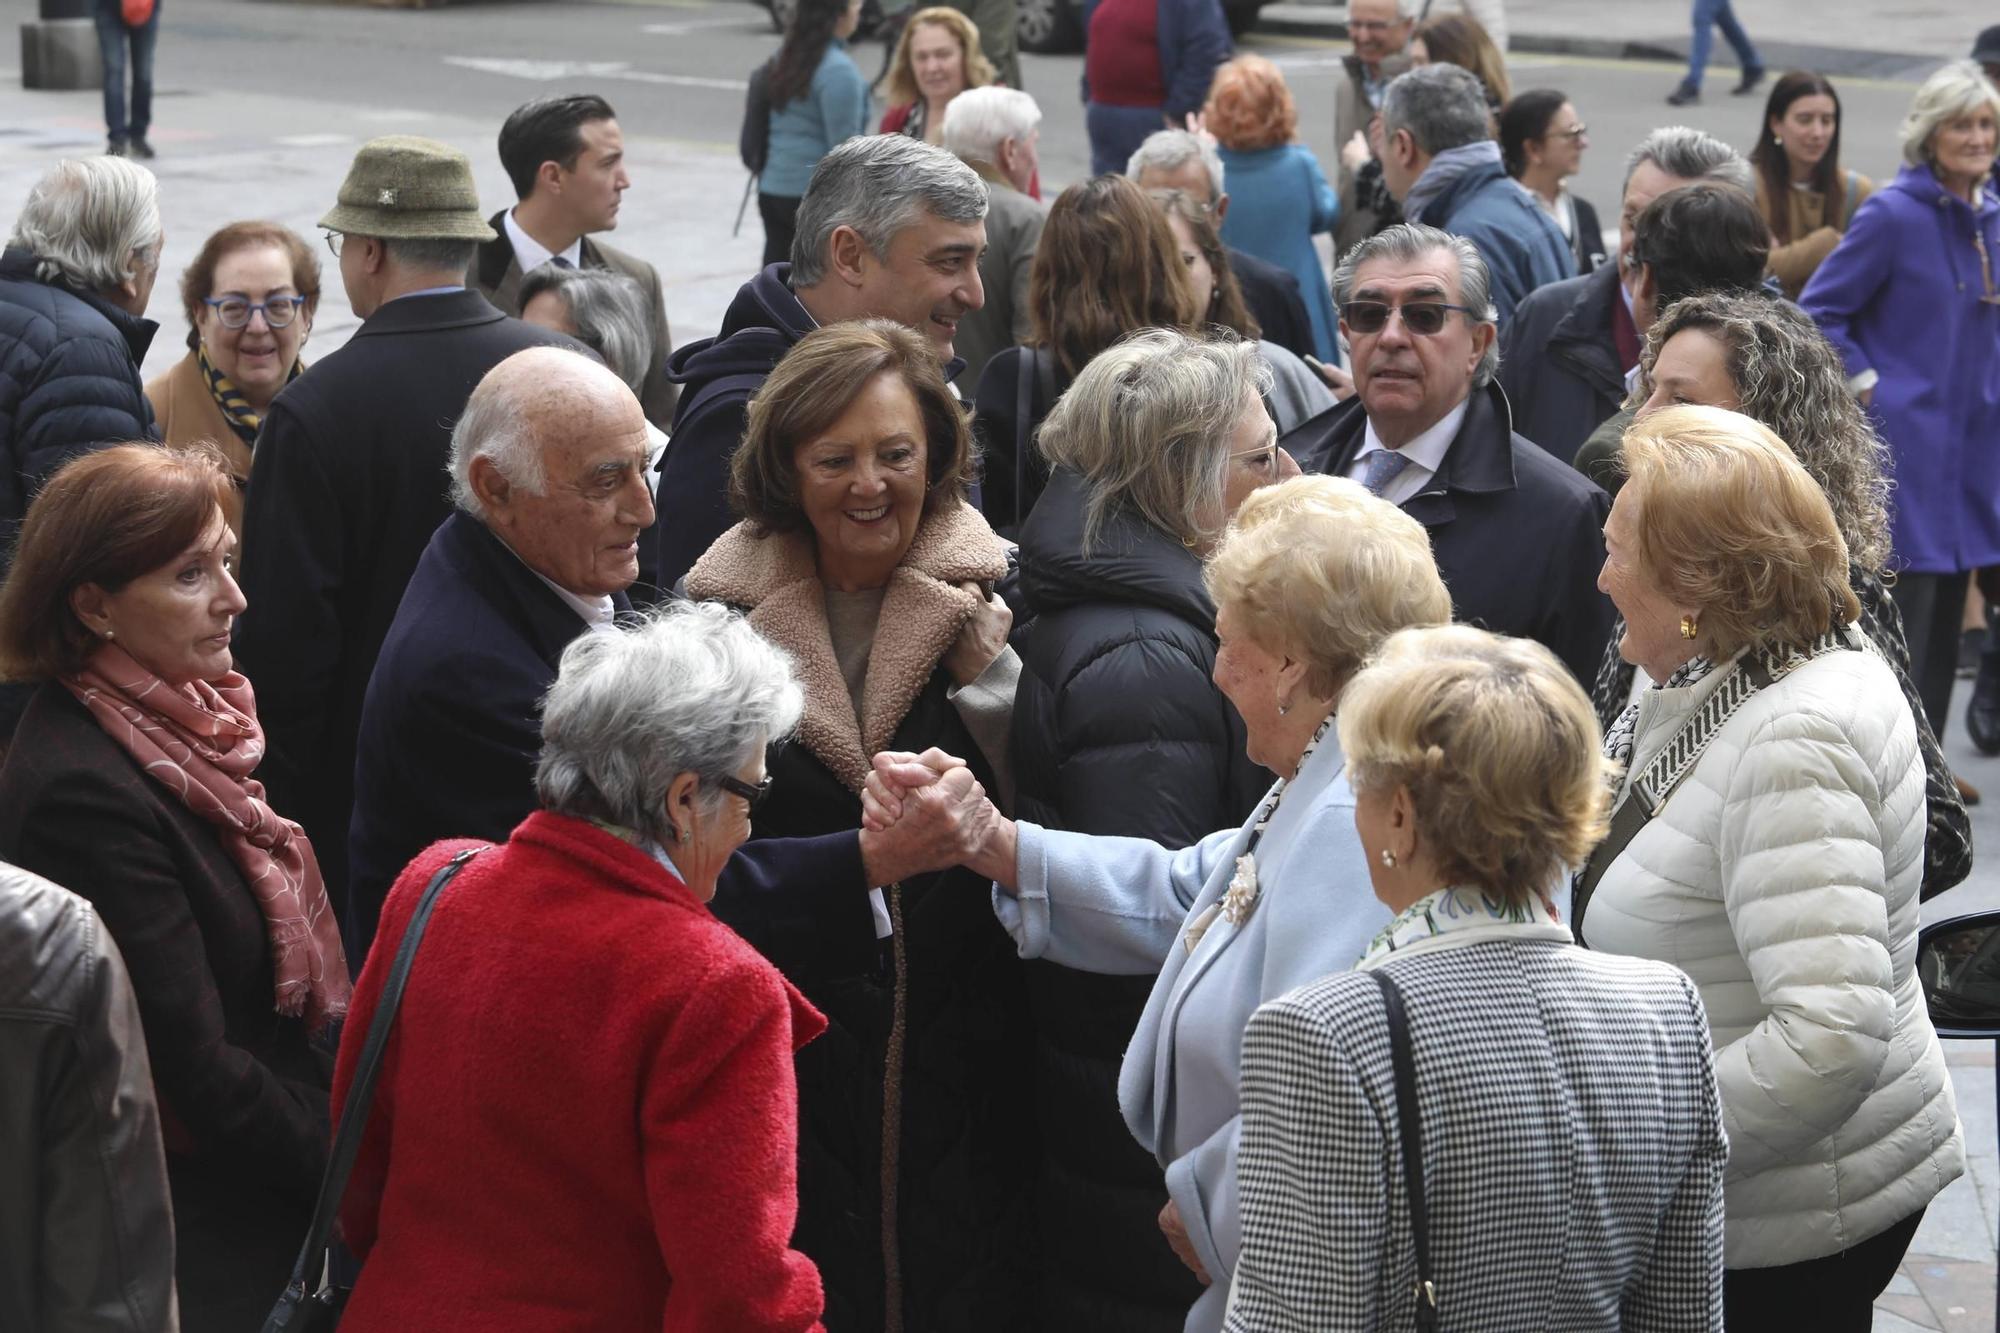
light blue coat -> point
(1121, 905)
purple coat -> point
(1901, 295)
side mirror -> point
(1958, 963)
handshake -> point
(926, 812)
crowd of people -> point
(1069, 768)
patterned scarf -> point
(1455, 909)
(243, 418)
(202, 742)
(1619, 740)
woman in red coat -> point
(586, 1115)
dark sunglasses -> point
(754, 796)
(1420, 317)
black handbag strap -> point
(1410, 1125)
(1024, 430)
(361, 1095)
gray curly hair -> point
(1790, 378)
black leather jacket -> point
(86, 1230)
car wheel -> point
(1046, 27)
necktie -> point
(560, 262)
(1384, 466)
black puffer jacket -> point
(69, 381)
(1117, 730)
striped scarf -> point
(243, 418)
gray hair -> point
(1147, 426)
(1690, 155)
(687, 688)
(429, 254)
(1958, 89)
(91, 223)
(1170, 150)
(608, 311)
(979, 120)
(500, 420)
(1442, 107)
(1408, 241)
(878, 184)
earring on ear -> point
(1778, 139)
(1388, 858)
(110, 634)
(1283, 709)
(1689, 627)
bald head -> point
(551, 455)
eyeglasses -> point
(1577, 132)
(334, 240)
(235, 311)
(1369, 25)
(1420, 317)
(753, 796)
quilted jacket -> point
(1781, 875)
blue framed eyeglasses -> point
(235, 311)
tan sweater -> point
(1816, 226)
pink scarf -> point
(202, 742)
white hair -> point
(91, 223)
(879, 184)
(979, 120)
(688, 688)
(1687, 154)
(608, 311)
(1958, 89)
(1170, 150)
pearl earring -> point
(1284, 709)
(1778, 139)
(110, 634)
(1388, 858)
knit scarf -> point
(202, 742)
(1455, 909)
(1443, 172)
(243, 418)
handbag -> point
(136, 13)
(311, 1302)
(1410, 1126)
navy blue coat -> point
(1522, 246)
(1518, 536)
(451, 729)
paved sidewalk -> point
(1845, 37)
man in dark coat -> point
(1566, 355)
(511, 579)
(347, 483)
(890, 227)
(1518, 536)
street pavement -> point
(260, 106)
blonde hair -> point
(979, 70)
(1321, 570)
(1730, 524)
(1499, 749)
(1958, 89)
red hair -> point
(1249, 107)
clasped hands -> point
(931, 805)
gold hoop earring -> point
(1388, 858)
(1689, 627)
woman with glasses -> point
(249, 298)
(588, 1068)
(1542, 141)
(859, 556)
(1909, 298)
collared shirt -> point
(428, 291)
(597, 613)
(530, 253)
(1373, 86)
(1426, 454)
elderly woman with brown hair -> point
(1477, 780)
(249, 296)
(859, 555)
(937, 57)
(1106, 266)
(1769, 840)
(131, 781)
(1310, 578)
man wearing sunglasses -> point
(1518, 536)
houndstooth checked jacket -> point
(1572, 1142)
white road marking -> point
(547, 71)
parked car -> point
(1958, 962)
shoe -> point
(1966, 791)
(142, 149)
(1982, 714)
(1971, 644)
(117, 148)
(1685, 95)
(1751, 78)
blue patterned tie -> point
(1384, 466)
(560, 262)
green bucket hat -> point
(409, 189)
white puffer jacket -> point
(1781, 875)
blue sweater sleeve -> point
(1194, 39)
(1845, 286)
(1325, 203)
(841, 95)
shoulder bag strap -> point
(1410, 1126)
(1024, 424)
(361, 1095)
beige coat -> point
(1351, 113)
(1013, 230)
(1817, 224)
(188, 414)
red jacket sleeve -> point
(719, 1116)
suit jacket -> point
(1013, 229)
(440, 760)
(1519, 537)
(241, 1093)
(1351, 113)
(1606, 1058)
(1274, 298)
(1559, 361)
(498, 277)
(346, 487)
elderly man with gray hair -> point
(995, 131)
(890, 227)
(1518, 536)
(1441, 163)
(549, 484)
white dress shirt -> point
(530, 253)
(1426, 454)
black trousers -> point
(1932, 607)
(781, 221)
(1831, 1295)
